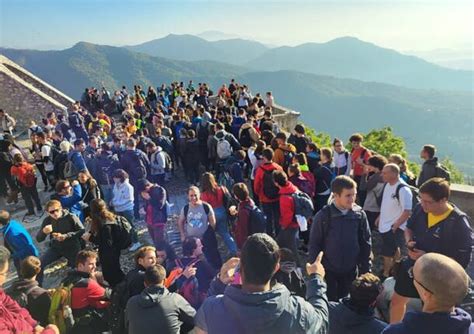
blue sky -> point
(402, 24)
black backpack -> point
(124, 235)
(244, 138)
(288, 158)
(269, 188)
(203, 133)
(442, 172)
(118, 302)
(415, 195)
(21, 297)
(257, 220)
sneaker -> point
(135, 246)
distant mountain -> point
(191, 48)
(86, 65)
(214, 35)
(334, 105)
(349, 57)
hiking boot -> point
(135, 246)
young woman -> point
(123, 201)
(156, 213)
(90, 190)
(342, 158)
(197, 219)
(104, 232)
(374, 184)
(405, 172)
(218, 197)
(26, 180)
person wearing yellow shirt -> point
(436, 226)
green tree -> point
(321, 139)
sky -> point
(418, 25)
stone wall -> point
(23, 104)
(286, 118)
(463, 196)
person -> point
(359, 157)
(61, 159)
(285, 152)
(247, 134)
(394, 212)
(296, 177)
(7, 122)
(76, 123)
(145, 257)
(47, 156)
(341, 223)
(257, 306)
(197, 219)
(76, 158)
(137, 165)
(324, 175)
(104, 232)
(222, 145)
(431, 167)
(267, 191)
(37, 300)
(440, 297)
(355, 314)
(26, 179)
(70, 194)
(288, 225)
(16, 239)
(405, 172)
(156, 210)
(106, 164)
(299, 139)
(122, 202)
(436, 225)
(194, 265)
(64, 230)
(289, 274)
(242, 227)
(16, 319)
(374, 187)
(218, 197)
(157, 309)
(192, 157)
(342, 158)
(89, 300)
(158, 166)
(89, 189)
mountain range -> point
(333, 104)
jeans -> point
(157, 233)
(223, 229)
(107, 192)
(30, 195)
(128, 215)
(272, 212)
(287, 238)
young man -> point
(69, 194)
(394, 211)
(267, 191)
(285, 152)
(6, 122)
(17, 239)
(342, 232)
(289, 228)
(299, 139)
(64, 230)
(435, 226)
(431, 167)
(359, 157)
(47, 158)
(156, 309)
(14, 318)
(88, 297)
(256, 306)
(76, 156)
(442, 284)
(355, 314)
(145, 257)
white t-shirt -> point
(46, 152)
(392, 208)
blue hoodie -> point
(458, 322)
(18, 240)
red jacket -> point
(258, 181)
(287, 206)
(215, 200)
(15, 319)
(241, 231)
(86, 292)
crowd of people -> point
(277, 235)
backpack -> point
(203, 132)
(157, 162)
(326, 223)
(224, 149)
(207, 209)
(53, 152)
(307, 187)
(189, 289)
(70, 171)
(303, 204)
(287, 158)
(333, 176)
(270, 190)
(60, 312)
(257, 220)
(414, 194)
(118, 302)
(168, 162)
(226, 180)
(21, 297)
(442, 172)
(29, 178)
(245, 139)
(124, 236)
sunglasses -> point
(53, 211)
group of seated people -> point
(276, 236)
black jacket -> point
(158, 310)
(39, 300)
(68, 224)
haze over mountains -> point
(328, 99)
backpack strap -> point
(185, 211)
(207, 207)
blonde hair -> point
(65, 146)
